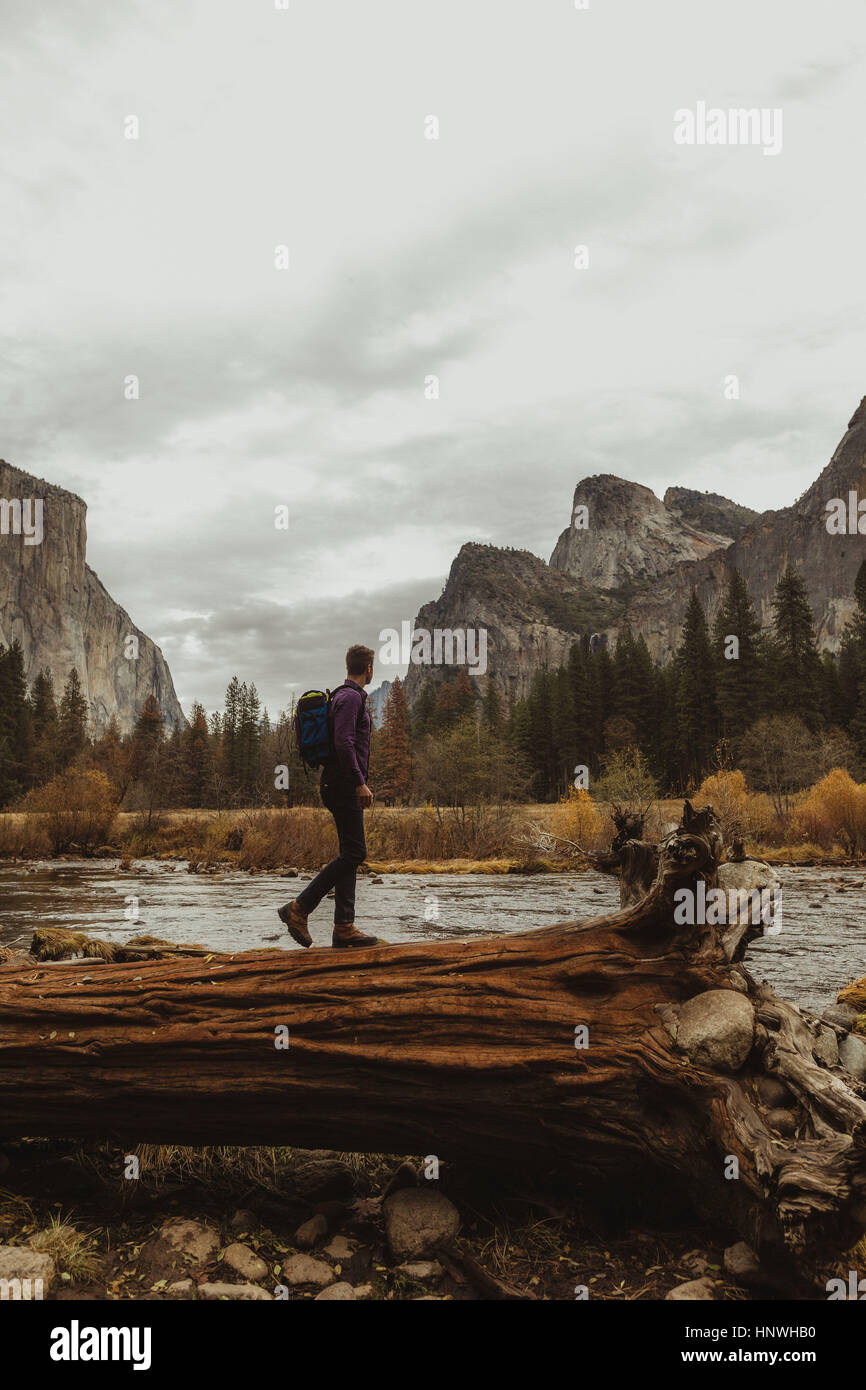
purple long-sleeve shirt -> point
(349, 762)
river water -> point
(821, 947)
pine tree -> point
(740, 665)
(16, 729)
(664, 757)
(195, 757)
(170, 770)
(492, 713)
(852, 668)
(581, 679)
(564, 728)
(393, 754)
(543, 751)
(229, 743)
(518, 734)
(796, 665)
(111, 755)
(643, 677)
(628, 696)
(146, 741)
(696, 709)
(445, 716)
(248, 741)
(832, 704)
(601, 697)
(424, 712)
(850, 674)
(43, 708)
(464, 696)
(72, 721)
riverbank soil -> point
(264, 1223)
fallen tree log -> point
(624, 1050)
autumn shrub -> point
(626, 782)
(727, 793)
(834, 812)
(743, 814)
(76, 809)
(763, 821)
(576, 819)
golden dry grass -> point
(399, 839)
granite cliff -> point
(630, 557)
(797, 535)
(531, 612)
(621, 534)
(53, 602)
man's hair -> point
(358, 659)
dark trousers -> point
(341, 873)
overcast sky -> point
(408, 257)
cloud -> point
(815, 79)
(408, 259)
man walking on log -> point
(345, 792)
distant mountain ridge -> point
(632, 558)
(376, 702)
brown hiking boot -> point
(296, 922)
(347, 934)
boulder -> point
(423, 1271)
(405, 1175)
(22, 1263)
(418, 1220)
(246, 1263)
(742, 1264)
(716, 1029)
(841, 1014)
(303, 1269)
(695, 1289)
(243, 1221)
(339, 1292)
(311, 1232)
(852, 1055)
(178, 1247)
(181, 1288)
(321, 1179)
(244, 1292)
(749, 876)
(339, 1248)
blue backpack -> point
(312, 723)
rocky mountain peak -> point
(61, 613)
(622, 535)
